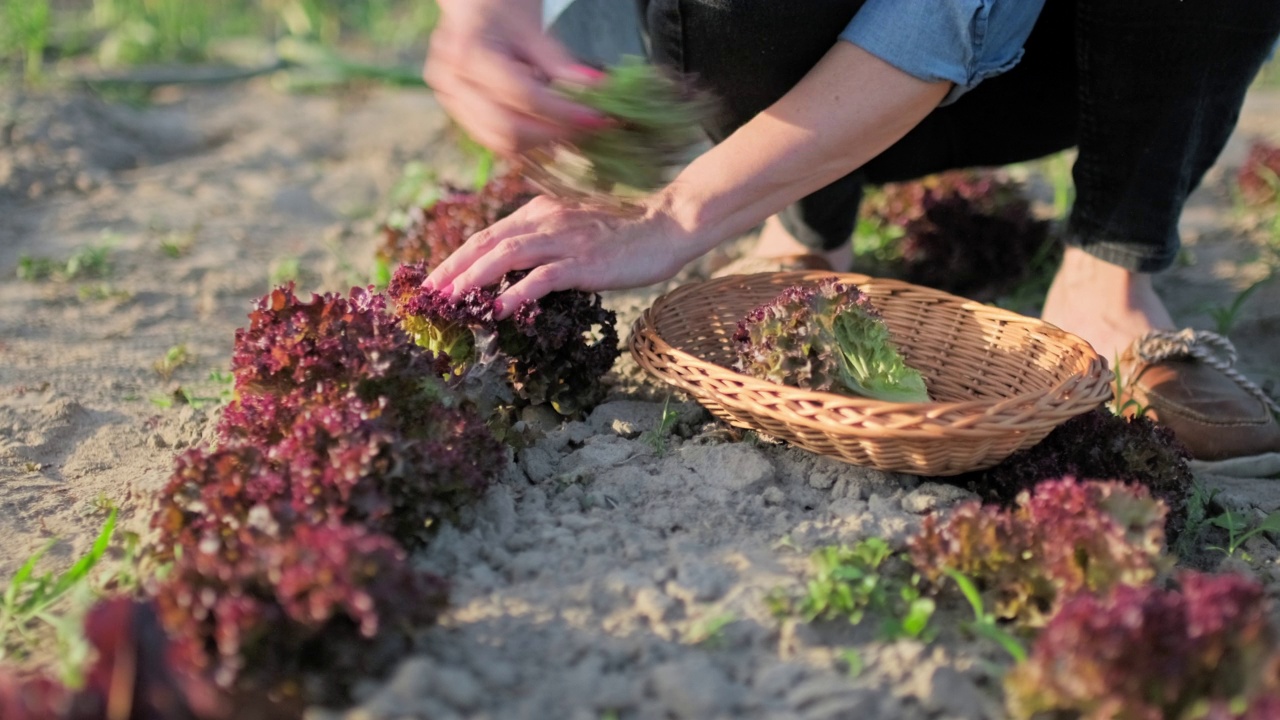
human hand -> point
(568, 245)
(818, 132)
(491, 65)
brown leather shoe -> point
(1186, 381)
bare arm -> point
(847, 110)
(851, 107)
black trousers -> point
(1147, 90)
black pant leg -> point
(1161, 86)
(1028, 112)
(1149, 89)
(749, 53)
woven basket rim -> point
(867, 406)
(1043, 378)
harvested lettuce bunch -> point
(826, 337)
(657, 120)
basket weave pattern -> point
(1000, 381)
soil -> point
(608, 573)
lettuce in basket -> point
(826, 337)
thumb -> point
(551, 58)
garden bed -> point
(622, 565)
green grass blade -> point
(969, 590)
(1003, 638)
(23, 575)
(77, 572)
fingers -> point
(497, 88)
(513, 85)
(513, 253)
(483, 261)
(546, 54)
(523, 222)
(497, 128)
(563, 247)
(540, 281)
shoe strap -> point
(1208, 347)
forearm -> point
(848, 109)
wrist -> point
(687, 219)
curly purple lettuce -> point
(553, 351)
(826, 337)
(1205, 649)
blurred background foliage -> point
(41, 38)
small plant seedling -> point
(849, 583)
(853, 662)
(102, 291)
(984, 623)
(223, 381)
(30, 597)
(104, 504)
(1226, 316)
(284, 270)
(91, 261)
(657, 437)
(35, 269)
(174, 358)
(710, 632)
(1238, 530)
(848, 580)
(183, 396)
(226, 384)
(178, 244)
(1199, 500)
(1119, 384)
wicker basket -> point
(1001, 381)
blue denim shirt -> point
(963, 41)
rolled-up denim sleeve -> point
(963, 41)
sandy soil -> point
(602, 574)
